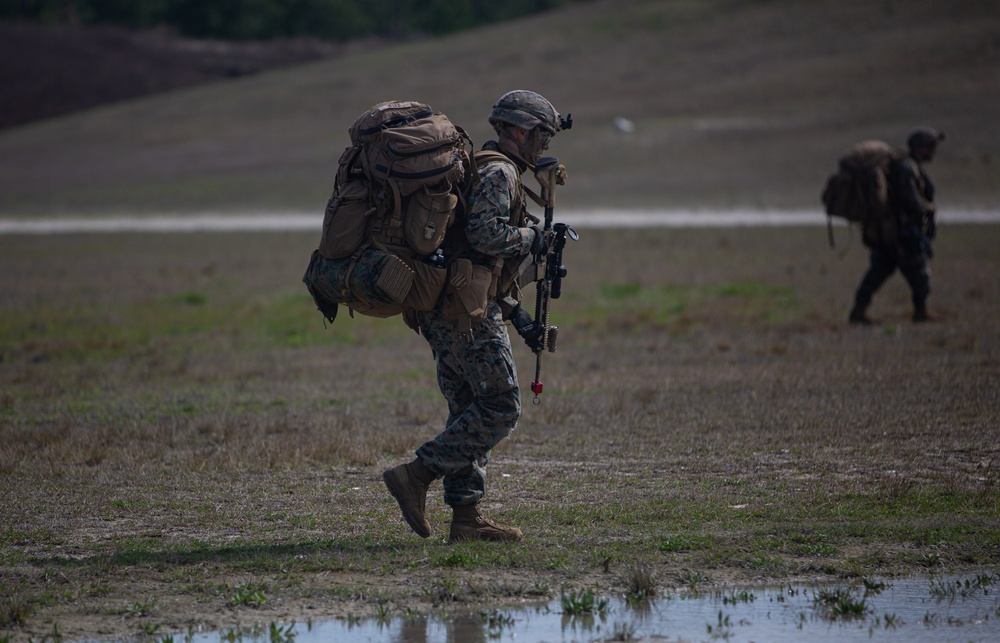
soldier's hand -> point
(539, 245)
(529, 330)
(534, 337)
(561, 174)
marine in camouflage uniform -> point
(475, 364)
(911, 203)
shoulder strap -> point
(489, 156)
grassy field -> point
(736, 104)
(183, 444)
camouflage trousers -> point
(478, 378)
(883, 263)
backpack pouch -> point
(428, 216)
(467, 292)
(394, 278)
(323, 303)
(425, 152)
(428, 284)
(346, 220)
(373, 284)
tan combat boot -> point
(468, 524)
(408, 484)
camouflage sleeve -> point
(489, 211)
(915, 206)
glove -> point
(561, 174)
(527, 329)
(539, 245)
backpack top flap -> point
(422, 152)
(868, 155)
(409, 146)
(394, 113)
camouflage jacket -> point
(494, 223)
(495, 214)
(913, 196)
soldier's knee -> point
(504, 410)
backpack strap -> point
(489, 156)
(505, 281)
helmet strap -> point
(517, 144)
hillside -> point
(736, 103)
(50, 71)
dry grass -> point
(175, 422)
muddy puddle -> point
(912, 610)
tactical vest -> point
(475, 279)
(910, 167)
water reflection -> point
(911, 610)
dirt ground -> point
(710, 414)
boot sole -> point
(396, 489)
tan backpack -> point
(399, 186)
(859, 190)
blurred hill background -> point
(676, 103)
(60, 56)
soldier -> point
(911, 204)
(475, 366)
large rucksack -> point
(399, 186)
(859, 190)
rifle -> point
(549, 173)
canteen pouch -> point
(428, 216)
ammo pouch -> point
(467, 292)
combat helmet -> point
(528, 110)
(923, 137)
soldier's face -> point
(536, 143)
(925, 154)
